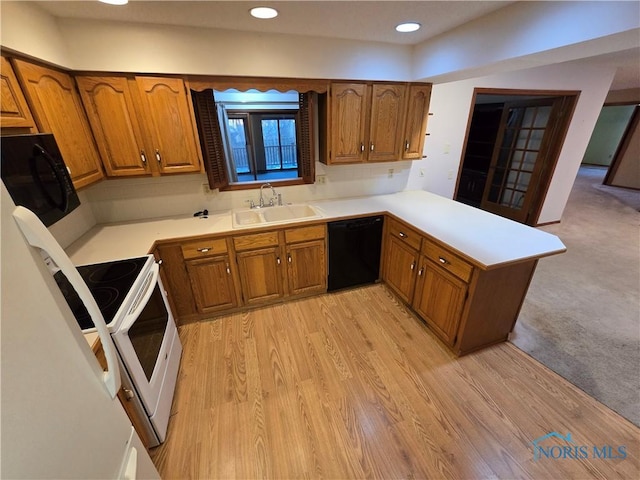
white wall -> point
(131, 199)
(451, 105)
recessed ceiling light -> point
(115, 2)
(407, 27)
(263, 12)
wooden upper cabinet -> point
(111, 110)
(14, 111)
(170, 125)
(57, 109)
(416, 121)
(348, 122)
(387, 118)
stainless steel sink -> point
(251, 217)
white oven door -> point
(144, 340)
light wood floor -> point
(351, 385)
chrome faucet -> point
(273, 194)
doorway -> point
(513, 142)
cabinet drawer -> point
(404, 233)
(446, 259)
(203, 248)
(257, 240)
(303, 234)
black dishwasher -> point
(354, 252)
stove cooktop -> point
(108, 282)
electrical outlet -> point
(447, 148)
(321, 179)
(206, 190)
(450, 175)
(391, 173)
(421, 174)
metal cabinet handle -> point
(158, 157)
(443, 260)
(361, 146)
(421, 271)
(204, 249)
(278, 260)
(128, 394)
(228, 269)
(402, 235)
(289, 258)
(413, 265)
(406, 146)
(371, 147)
(159, 262)
(143, 157)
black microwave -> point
(36, 176)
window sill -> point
(257, 184)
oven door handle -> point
(38, 236)
(141, 299)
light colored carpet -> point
(581, 316)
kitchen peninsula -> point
(467, 273)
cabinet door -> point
(439, 300)
(387, 117)
(14, 111)
(349, 103)
(169, 124)
(307, 271)
(112, 115)
(212, 284)
(57, 109)
(400, 268)
(260, 275)
(416, 122)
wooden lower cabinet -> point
(306, 270)
(212, 284)
(468, 307)
(400, 268)
(260, 275)
(439, 299)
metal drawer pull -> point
(204, 249)
(443, 260)
(143, 157)
(413, 266)
(406, 146)
(403, 235)
(158, 156)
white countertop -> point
(488, 239)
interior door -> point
(520, 157)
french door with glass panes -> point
(520, 156)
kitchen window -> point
(246, 143)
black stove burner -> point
(109, 283)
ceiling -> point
(371, 21)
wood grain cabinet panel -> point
(170, 124)
(415, 126)
(386, 121)
(306, 270)
(110, 108)
(57, 109)
(439, 300)
(348, 128)
(212, 284)
(400, 266)
(261, 275)
(14, 111)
